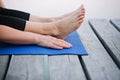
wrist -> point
(36, 39)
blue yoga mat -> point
(73, 38)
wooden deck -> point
(101, 39)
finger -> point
(50, 44)
(63, 43)
(55, 46)
(66, 43)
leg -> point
(14, 13)
(21, 24)
(29, 17)
(13, 22)
(60, 28)
(17, 35)
(34, 18)
(23, 15)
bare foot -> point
(34, 18)
(66, 15)
(69, 24)
(59, 28)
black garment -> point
(13, 18)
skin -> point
(22, 37)
(58, 28)
(40, 31)
(2, 4)
(34, 18)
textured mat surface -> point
(73, 38)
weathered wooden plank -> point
(109, 36)
(27, 67)
(65, 67)
(76, 68)
(4, 62)
(98, 64)
(116, 23)
(46, 68)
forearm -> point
(14, 36)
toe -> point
(80, 21)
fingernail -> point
(60, 48)
(70, 45)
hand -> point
(52, 42)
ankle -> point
(50, 29)
(55, 30)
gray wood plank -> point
(65, 67)
(76, 68)
(46, 68)
(116, 23)
(98, 64)
(27, 67)
(109, 36)
(4, 60)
